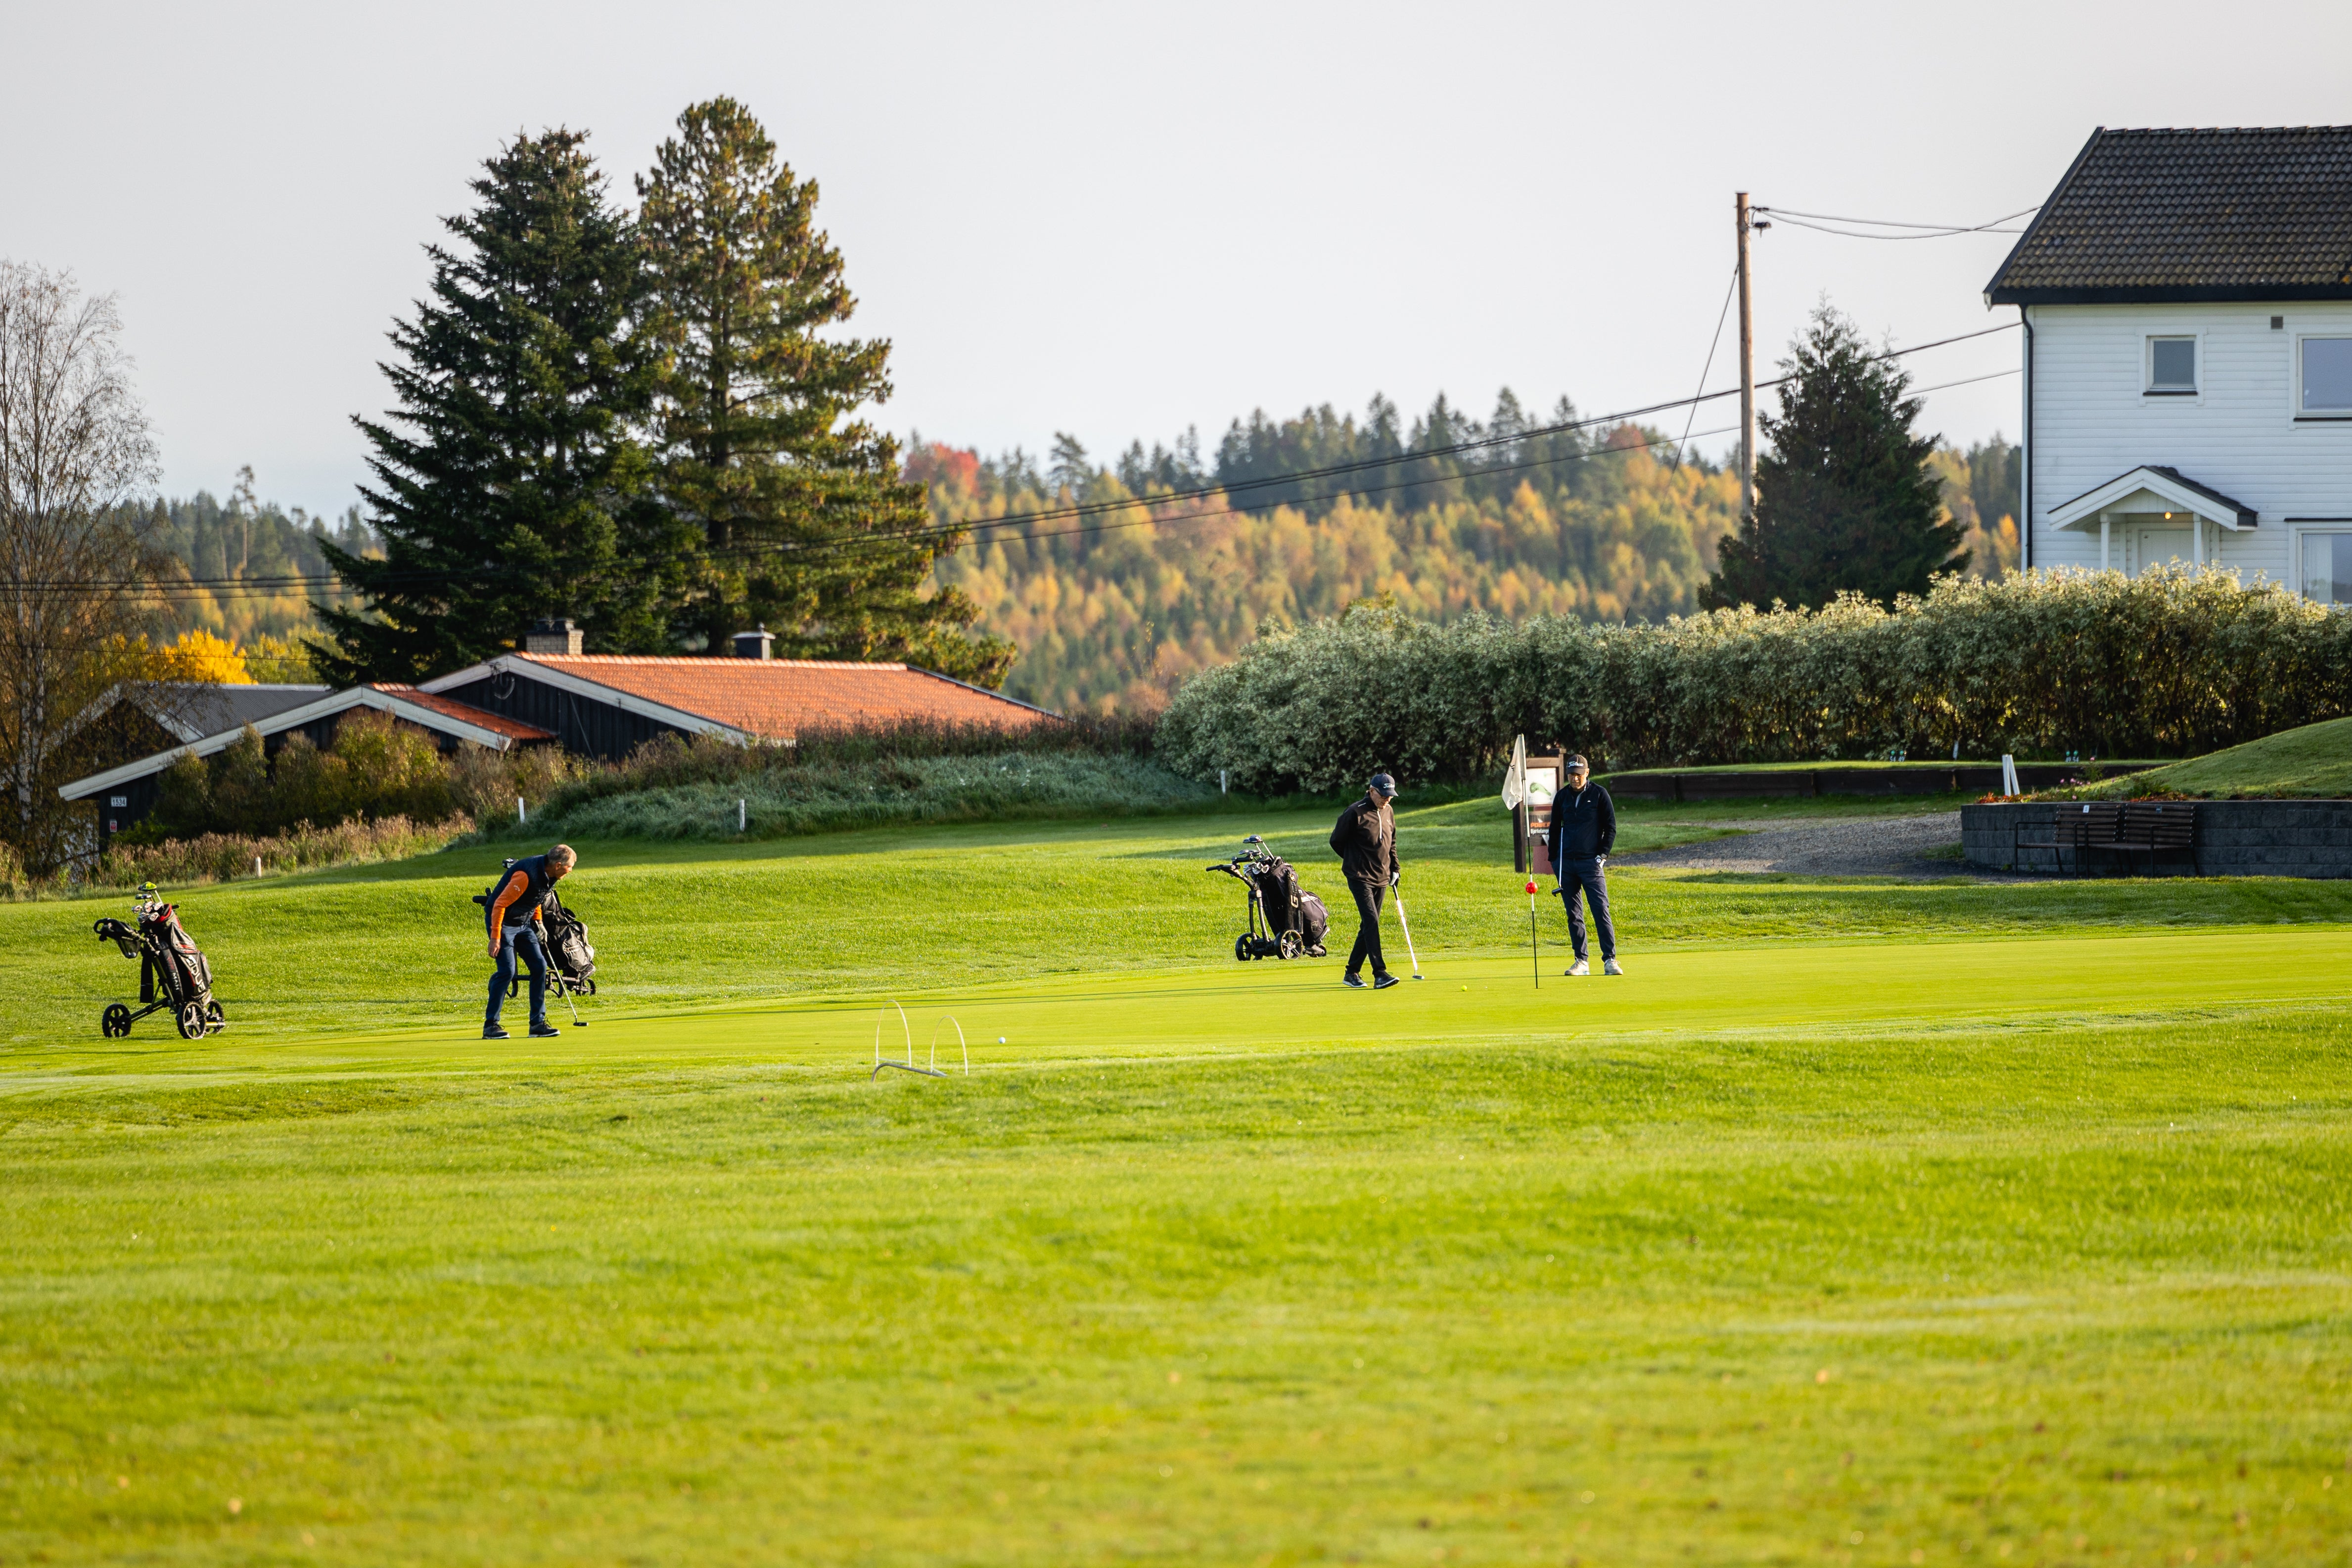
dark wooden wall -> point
(587, 727)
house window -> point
(2328, 568)
(2171, 367)
(2326, 378)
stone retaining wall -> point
(2234, 839)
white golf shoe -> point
(1611, 966)
(1579, 967)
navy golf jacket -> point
(1583, 825)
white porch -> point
(2152, 516)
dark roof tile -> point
(2191, 214)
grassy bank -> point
(2314, 760)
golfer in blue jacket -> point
(1584, 830)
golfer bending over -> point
(512, 906)
(1584, 830)
(1365, 840)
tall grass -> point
(228, 856)
(691, 791)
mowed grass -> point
(1861, 1223)
(2312, 761)
(865, 915)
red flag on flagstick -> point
(1535, 962)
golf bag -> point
(173, 970)
(1286, 920)
(571, 961)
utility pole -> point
(1747, 371)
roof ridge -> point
(711, 661)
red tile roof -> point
(497, 723)
(780, 698)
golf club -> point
(1408, 934)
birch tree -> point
(75, 575)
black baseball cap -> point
(1383, 784)
(1575, 761)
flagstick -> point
(1535, 962)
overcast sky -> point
(1113, 221)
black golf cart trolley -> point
(172, 971)
(1285, 919)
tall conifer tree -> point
(805, 525)
(1844, 499)
(509, 482)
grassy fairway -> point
(1862, 1223)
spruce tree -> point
(805, 523)
(1844, 499)
(509, 484)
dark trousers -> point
(1367, 930)
(1590, 876)
(511, 940)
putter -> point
(1408, 933)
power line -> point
(1927, 230)
(1713, 343)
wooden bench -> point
(2152, 828)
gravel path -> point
(1840, 847)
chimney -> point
(753, 644)
(557, 637)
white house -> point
(2187, 298)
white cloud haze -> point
(1116, 221)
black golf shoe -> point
(1385, 981)
(492, 1032)
(544, 1031)
(1355, 980)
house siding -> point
(2091, 423)
(585, 726)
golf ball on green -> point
(1000, 1039)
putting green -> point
(1922, 987)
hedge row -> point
(2172, 663)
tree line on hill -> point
(240, 559)
(1192, 552)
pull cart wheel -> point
(588, 987)
(1291, 946)
(214, 1016)
(191, 1019)
(115, 1022)
(1241, 948)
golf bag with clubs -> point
(1286, 920)
(571, 961)
(174, 973)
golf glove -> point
(1393, 877)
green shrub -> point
(2170, 663)
(377, 768)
